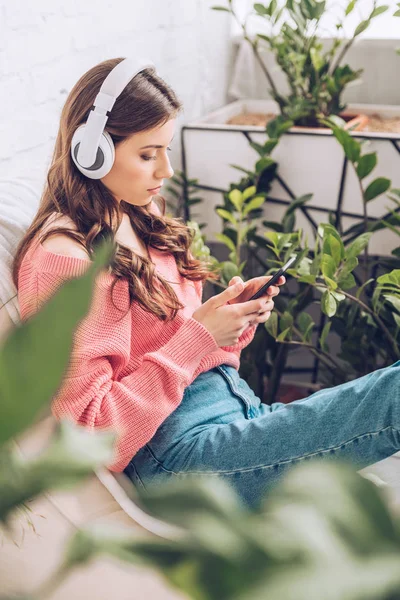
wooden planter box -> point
(309, 161)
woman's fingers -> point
(262, 318)
(263, 314)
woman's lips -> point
(155, 189)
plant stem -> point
(377, 319)
(263, 67)
(276, 375)
(260, 260)
(346, 47)
(238, 241)
(365, 215)
(320, 354)
(323, 356)
(256, 54)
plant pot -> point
(310, 160)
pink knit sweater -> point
(128, 374)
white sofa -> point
(30, 554)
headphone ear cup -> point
(104, 159)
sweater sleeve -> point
(134, 406)
(244, 340)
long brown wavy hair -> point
(146, 102)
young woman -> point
(150, 361)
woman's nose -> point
(165, 171)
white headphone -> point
(92, 148)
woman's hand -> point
(251, 287)
(227, 320)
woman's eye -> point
(145, 157)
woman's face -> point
(141, 165)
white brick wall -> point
(46, 45)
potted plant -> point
(308, 158)
(334, 306)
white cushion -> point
(19, 201)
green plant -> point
(324, 275)
(33, 359)
(315, 76)
(322, 532)
(182, 190)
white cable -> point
(151, 524)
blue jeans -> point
(222, 429)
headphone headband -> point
(111, 88)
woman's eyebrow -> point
(153, 146)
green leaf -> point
(273, 5)
(282, 336)
(315, 265)
(286, 320)
(242, 234)
(350, 7)
(298, 202)
(358, 245)
(250, 191)
(376, 188)
(351, 147)
(35, 355)
(349, 265)
(288, 223)
(394, 301)
(272, 325)
(72, 454)
(324, 335)
(346, 282)
(273, 236)
(364, 285)
(264, 163)
(273, 225)
(260, 9)
(307, 279)
(378, 11)
(225, 214)
(226, 240)
(333, 247)
(338, 296)
(392, 277)
(362, 27)
(366, 164)
(278, 126)
(330, 283)
(253, 205)
(228, 270)
(317, 60)
(328, 304)
(284, 239)
(221, 8)
(304, 321)
(328, 266)
(257, 147)
(269, 146)
(235, 196)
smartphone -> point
(273, 279)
